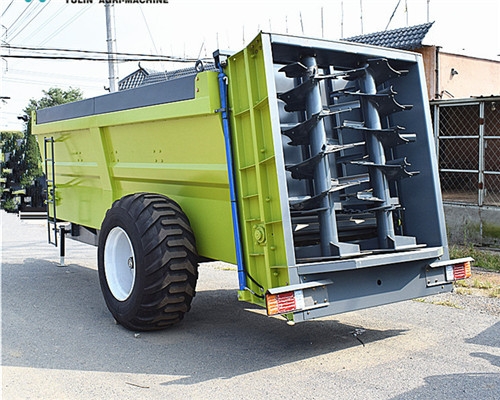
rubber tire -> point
(166, 261)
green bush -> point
(9, 205)
(482, 258)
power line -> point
(21, 29)
(56, 14)
(392, 16)
(152, 39)
(6, 8)
(90, 55)
(67, 23)
(20, 15)
(84, 51)
(18, 24)
(57, 57)
(48, 21)
(53, 75)
(58, 83)
(21, 22)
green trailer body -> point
(174, 148)
(308, 163)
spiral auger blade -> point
(296, 98)
(390, 137)
(393, 170)
(379, 69)
(384, 101)
(305, 97)
(299, 133)
(306, 168)
(341, 166)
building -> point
(465, 105)
(145, 76)
(448, 75)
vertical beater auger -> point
(330, 150)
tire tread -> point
(170, 260)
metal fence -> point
(468, 147)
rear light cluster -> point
(458, 271)
(283, 303)
(447, 271)
(304, 296)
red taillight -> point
(282, 303)
(458, 271)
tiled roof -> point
(408, 38)
(145, 76)
(133, 80)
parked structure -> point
(308, 163)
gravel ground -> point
(467, 297)
(473, 302)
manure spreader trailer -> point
(310, 164)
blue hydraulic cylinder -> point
(224, 110)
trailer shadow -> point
(55, 318)
(489, 337)
(229, 339)
(457, 386)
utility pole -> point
(361, 14)
(342, 20)
(110, 31)
(322, 24)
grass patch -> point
(228, 269)
(483, 284)
(446, 303)
(463, 290)
(462, 284)
(491, 230)
(475, 283)
(482, 258)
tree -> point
(10, 156)
(27, 166)
(52, 97)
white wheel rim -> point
(119, 264)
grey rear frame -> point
(371, 239)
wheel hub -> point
(119, 264)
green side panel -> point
(83, 191)
(175, 149)
(256, 170)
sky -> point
(195, 28)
